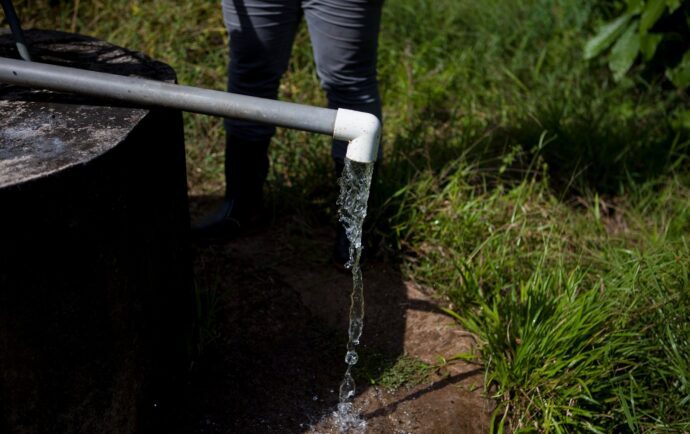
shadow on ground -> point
(275, 333)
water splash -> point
(354, 192)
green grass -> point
(407, 371)
(548, 203)
(390, 372)
(580, 315)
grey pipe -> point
(13, 20)
(361, 130)
(155, 93)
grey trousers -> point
(344, 36)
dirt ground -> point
(276, 342)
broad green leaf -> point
(634, 7)
(648, 44)
(652, 11)
(607, 34)
(672, 5)
(680, 75)
(625, 51)
(682, 120)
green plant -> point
(582, 313)
(406, 371)
(637, 32)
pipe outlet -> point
(362, 131)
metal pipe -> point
(156, 93)
(361, 130)
(16, 28)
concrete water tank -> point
(96, 297)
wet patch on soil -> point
(275, 342)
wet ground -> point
(275, 342)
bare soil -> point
(275, 342)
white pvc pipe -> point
(362, 130)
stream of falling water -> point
(354, 192)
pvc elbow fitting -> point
(362, 131)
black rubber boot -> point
(246, 168)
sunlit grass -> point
(580, 312)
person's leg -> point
(261, 34)
(344, 34)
